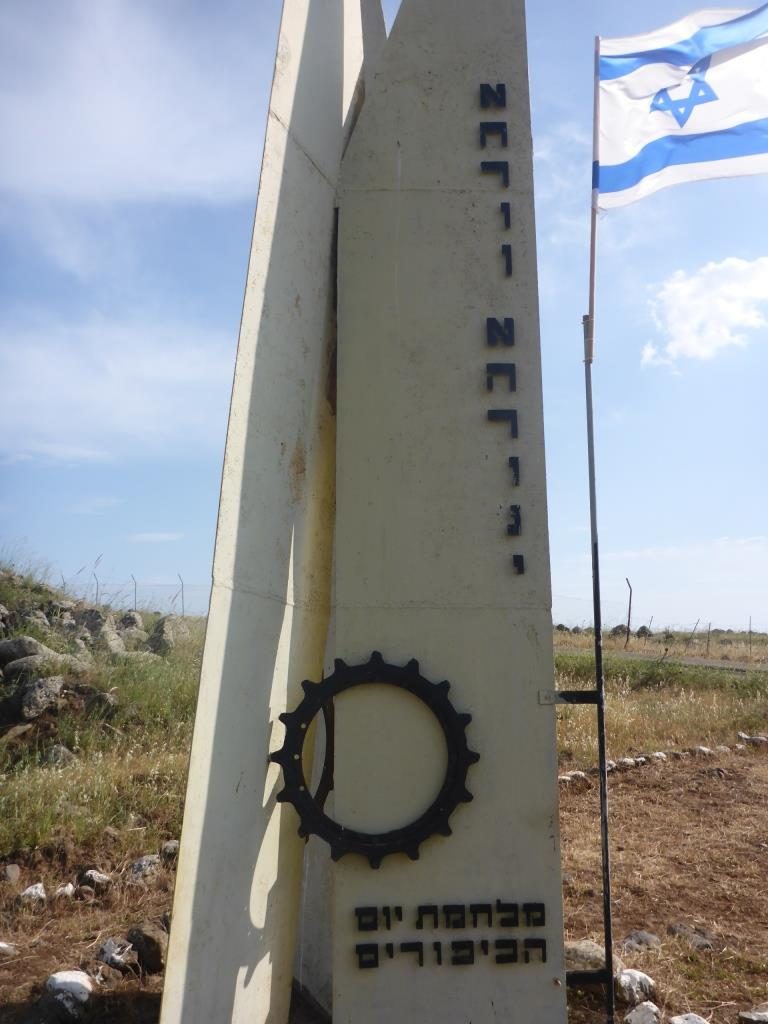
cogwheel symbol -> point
(312, 817)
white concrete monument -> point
(427, 639)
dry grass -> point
(688, 843)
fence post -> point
(97, 587)
(182, 594)
(687, 642)
(134, 593)
(629, 614)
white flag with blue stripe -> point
(684, 103)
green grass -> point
(658, 706)
(661, 675)
(131, 765)
(130, 772)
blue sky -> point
(132, 141)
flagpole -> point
(589, 352)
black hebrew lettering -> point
(506, 252)
(484, 947)
(535, 915)
(455, 915)
(514, 465)
(507, 370)
(518, 564)
(531, 946)
(367, 919)
(438, 948)
(463, 953)
(514, 527)
(430, 910)
(496, 331)
(509, 916)
(491, 96)
(500, 167)
(476, 909)
(506, 212)
(494, 128)
(399, 913)
(390, 950)
(504, 416)
(414, 947)
(367, 956)
(506, 951)
(386, 913)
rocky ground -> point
(690, 903)
(85, 912)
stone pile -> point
(140, 950)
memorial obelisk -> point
(441, 531)
(413, 616)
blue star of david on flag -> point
(651, 132)
(682, 107)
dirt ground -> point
(690, 846)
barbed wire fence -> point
(180, 598)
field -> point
(688, 836)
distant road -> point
(729, 666)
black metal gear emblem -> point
(314, 821)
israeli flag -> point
(684, 103)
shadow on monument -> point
(232, 868)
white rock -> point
(564, 779)
(145, 866)
(639, 761)
(610, 766)
(634, 987)
(6, 949)
(645, 1013)
(34, 895)
(722, 749)
(74, 983)
(757, 1016)
(581, 776)
(65, 892)
(739, 746)
(97, 880)
(118, 953)
(702, 752)
(626, 762)
(658, 755)
(687, 1018)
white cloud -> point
(702, 313)
(100, 390)
(131, 100)
(157, 537)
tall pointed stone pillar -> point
(239, 879)
(442, 543)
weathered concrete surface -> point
(424, 562)
(238, 887)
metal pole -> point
(589, 353)
(182, 594)
(134, 592)
(629, 613)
